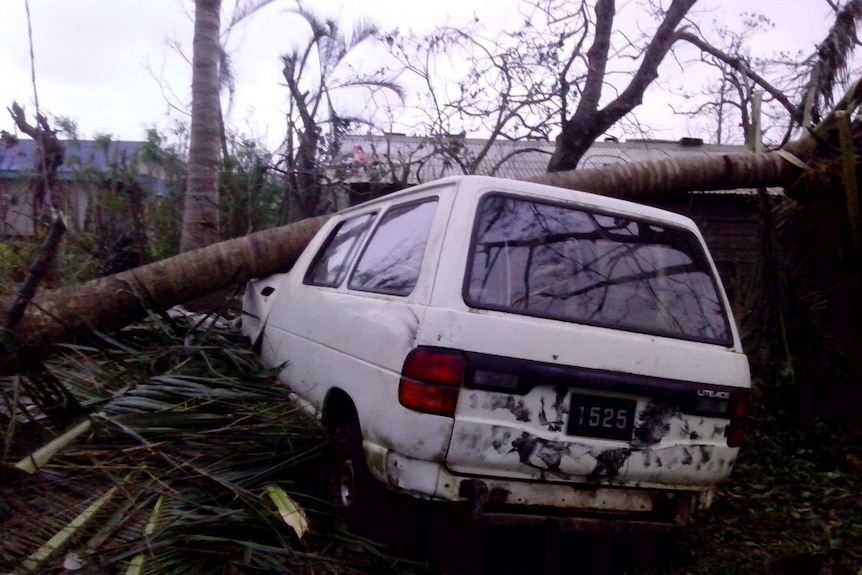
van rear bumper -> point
(512, 501)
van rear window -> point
(556, 261)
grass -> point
(795, 495)
(189, 436)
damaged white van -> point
(525, 350)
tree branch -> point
(588, 122)
(656, 50)
(740, 66)
(597, 58)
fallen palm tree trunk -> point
(643, 181)
(117, 300)
(114, 301)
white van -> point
(525, 350)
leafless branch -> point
(742, 67)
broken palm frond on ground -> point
(187, 461)
(192, 461)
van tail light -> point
(431, 380)
(739, 412)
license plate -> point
(604, 417)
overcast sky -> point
(108, 64)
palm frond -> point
(243, 11)
(374, 83)
(34, 562)
(318, 26)
(364, 30)
(32, 462)
(831, 62)
(206, 436)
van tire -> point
(354, 489)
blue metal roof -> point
(101, 156)
(82, 158)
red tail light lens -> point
(736, 430)
(741, 405)
(431, 380)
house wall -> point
(16, 206)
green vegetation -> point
(130, 221)
(793, 492)
(16, 256)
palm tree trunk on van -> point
(117, 300)
(643, 181)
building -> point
(89, 166)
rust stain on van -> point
(532, 450)
(514, 406)
(654, 423)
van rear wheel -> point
(354, 489)
(368, 507)
(349, 469)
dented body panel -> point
(524, 435)
(332, 337)
(593, 385)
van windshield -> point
(555, 261)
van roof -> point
(539, 190)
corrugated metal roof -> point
(80, 154)
(412, 159)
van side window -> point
(390, 263)
(334, 258)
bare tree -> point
(501, 87)
(725, 101)
(50, 154)
(574, 57)
(729, 99)
(524, 83)
(797, 87)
